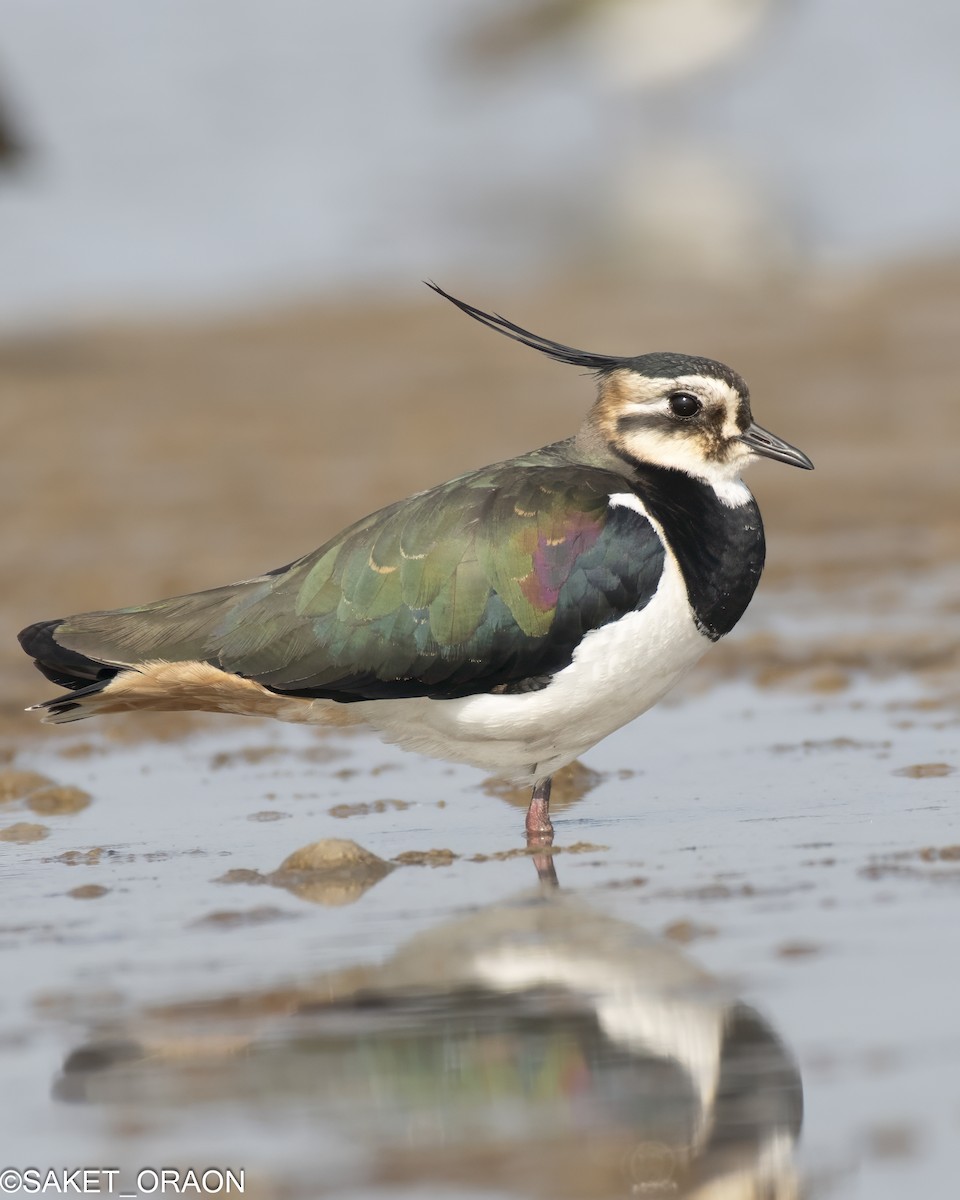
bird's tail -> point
(162, 656)
(159, 686)
(84, 676)
(72, 706)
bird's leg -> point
(538, 814)
(540, 832)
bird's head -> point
(670, 410)
(692, 414)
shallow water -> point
(774, 847)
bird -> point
(633, 43)
(510, 618)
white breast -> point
(617, 672)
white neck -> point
(734, 493)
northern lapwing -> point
(510, 618)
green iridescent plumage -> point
(481, 582)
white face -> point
(692, 423)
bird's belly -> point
(617, 672)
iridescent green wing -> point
(483, 582)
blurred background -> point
(193, 157)
(215, 350)
(214, 345)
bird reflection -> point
(536, 1046)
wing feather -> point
(488, 580)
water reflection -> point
(536, 1046)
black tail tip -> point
(66, 668)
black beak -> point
(761, 442)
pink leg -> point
(538, 814)
(540, 832)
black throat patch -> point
(720, 549)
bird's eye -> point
(682, 404)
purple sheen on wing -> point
(552, 563)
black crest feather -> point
(555, 350)
(658, 365)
